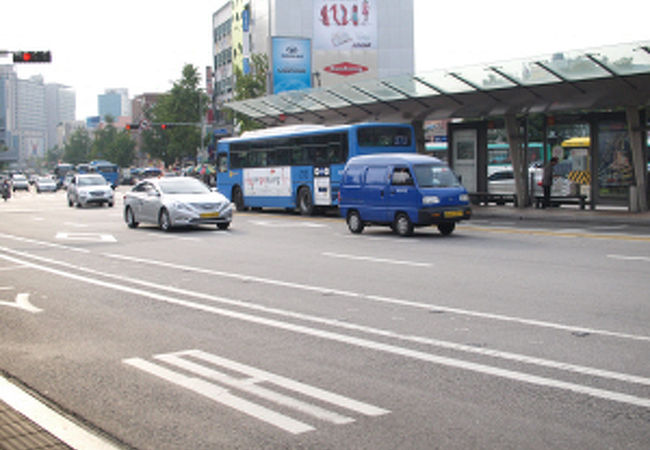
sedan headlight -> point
(180, 206)
(430, 200)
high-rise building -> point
(315, 43)
(30, 111)
(114, 103)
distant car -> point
(503, 182)
(176, 201)
(86, 189)
(45, 184)
(19, 181)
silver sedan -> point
(176, 201)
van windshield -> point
(435, 175)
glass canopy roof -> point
(564, 67)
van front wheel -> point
(403, 225)
(446, 228)
(355, 224)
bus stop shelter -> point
(609, 83)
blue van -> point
(403, 191)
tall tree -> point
(251, 85)
(182, 109)
(77, 150)
(113, 145)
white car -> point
(503, 182)
(19, 181)
(45, 184)
(176, 201)
(86, 189)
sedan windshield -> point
(183, 185)
(435, 175)
(92, 181)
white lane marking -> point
(22, 302)
(382, 299)
(86, 237)
(289, 384)
(250, 386)
(222, 396)
(287, 224)
(76, 224)
(43, 243)
(7, 269)
(377, 260)
(354, 341)
(370, 330)
(630, 258)
(57, 425)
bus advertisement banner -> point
(268, 182)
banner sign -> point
(345, 24)
(291, 64)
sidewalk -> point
(563, 214)
(20, 433)
(27, 423)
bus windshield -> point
(435, 175)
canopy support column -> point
(639, 161)
(518, 158)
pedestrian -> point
(547, 181)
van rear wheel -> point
(403, 225)
(355, 224)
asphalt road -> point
(290, 332)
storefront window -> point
(615, 169)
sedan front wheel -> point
(164, 221)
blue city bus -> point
(108, 170)
(60, 172)
(300, 166)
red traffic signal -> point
(166, 126)
(32, 57)
(132, 126)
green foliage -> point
(184, 104)
(113, 145)
(252, 85)
(78, 148)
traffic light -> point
(32, 57)
(132, 126)
(166, 126)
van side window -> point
(376, 176)
(402, 177)
(353, 175)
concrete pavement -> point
(17, 431)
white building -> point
(30, 111)
(312, 43)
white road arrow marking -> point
(22, 302)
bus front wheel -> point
(305, 202)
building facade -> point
(114, 103)
(30, 112)
(312, 43)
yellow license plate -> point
(452, 214)
(209, 215)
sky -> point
(142, 45)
